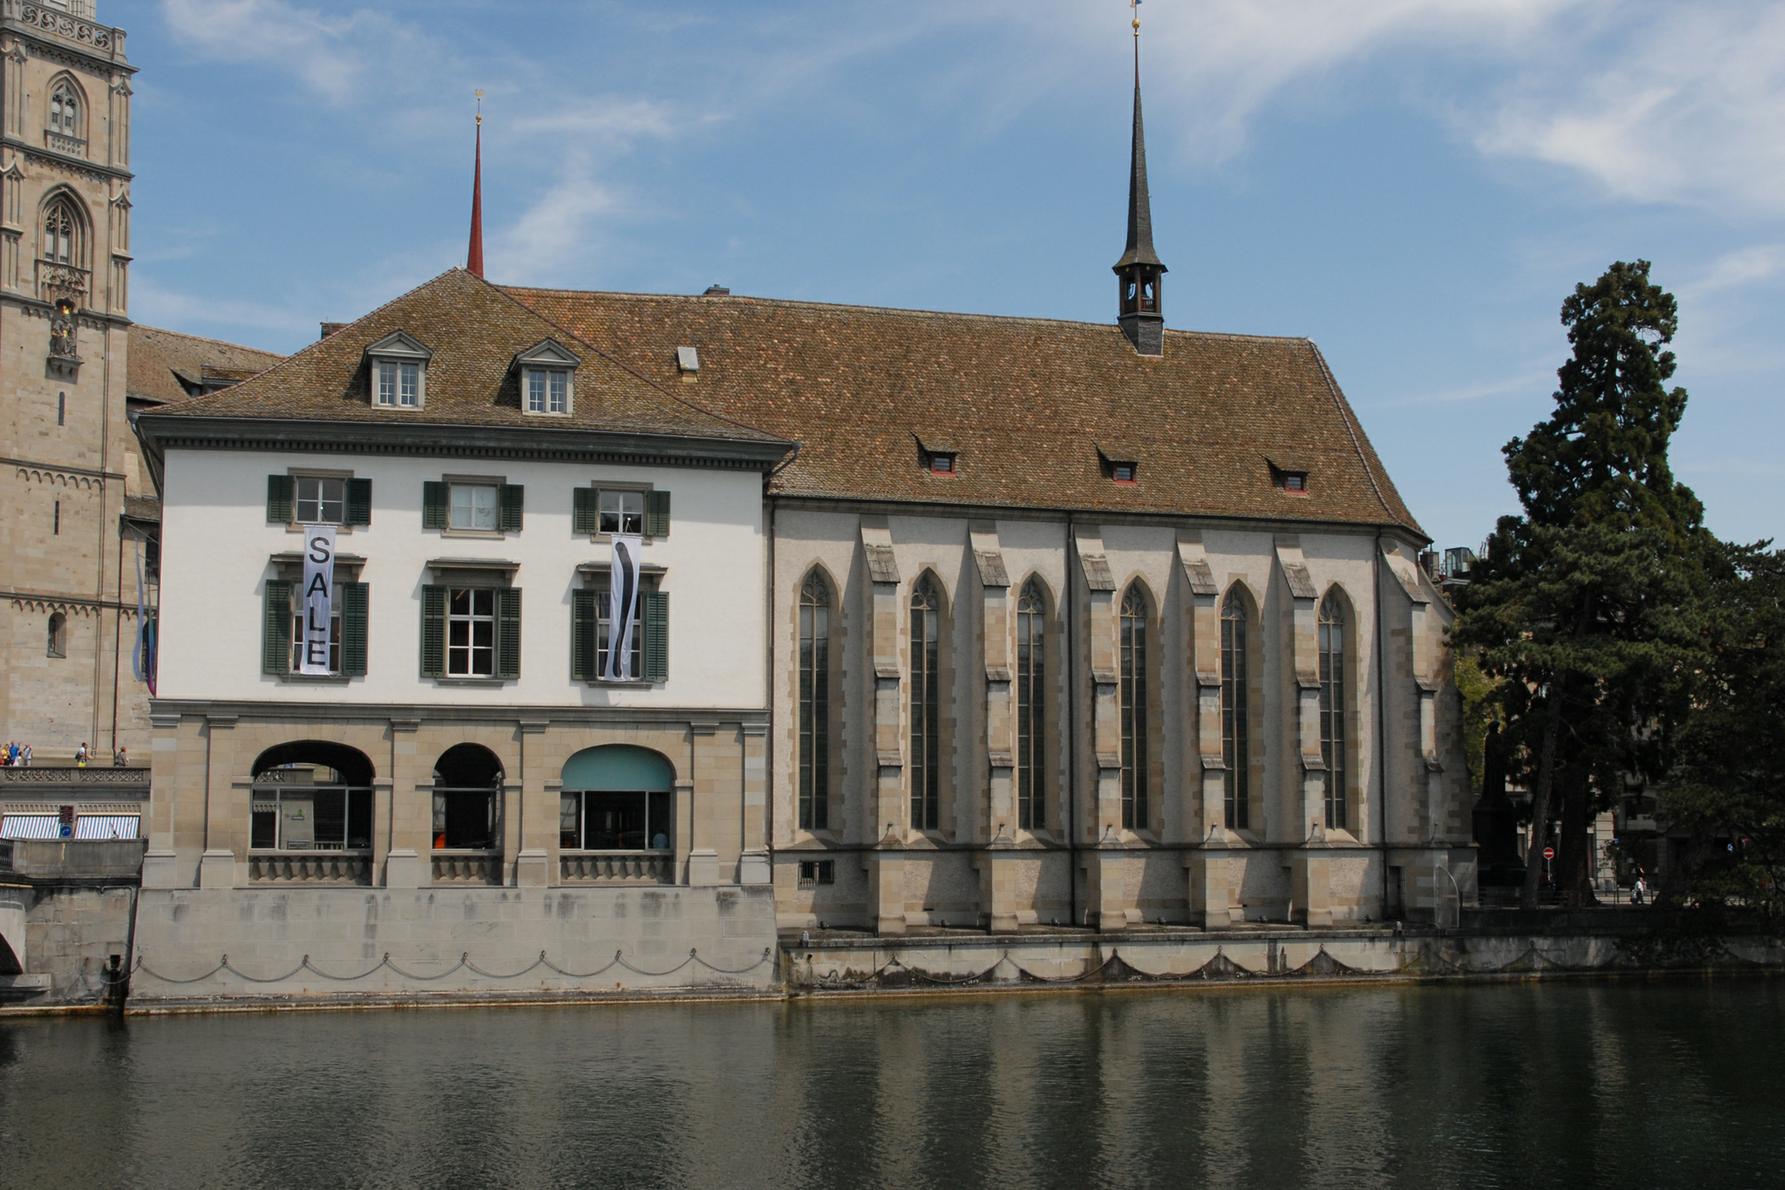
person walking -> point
(81, 756)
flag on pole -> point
(142, 659)
(622, 608)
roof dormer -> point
(548, 378)
(398, 368)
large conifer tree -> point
(1590, 602)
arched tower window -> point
(1332, 708)
(1136, 755)
(57, 645)
(815, 703)
(1031, 707)
(65, 110)
(1236, 750)
(926, 705)
(62, 233)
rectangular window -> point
(634, 820)
(467, 820)
(621, 512)
(387, 382)
(283, 626)
(311, 818)
(548, 390)
(320, 500)
(409, 387)
(471, 632)
(473, 506)
(297, 636)
(399, 383)
(814, 872)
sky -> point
(1416, 185)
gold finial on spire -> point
(479, 94)
(1134, 7)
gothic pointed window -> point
(61, 233)
(65, 110)
(1235, 741)
(1136, 758)
(815, 703)
(1332, 708)
(926, 705)
(1031, 707)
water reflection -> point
(1641, 1085)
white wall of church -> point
(217, 546)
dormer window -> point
(399, 371)
(1120, 465)
(937, 457)
(1288, 477)
(548, 378)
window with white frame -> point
(548, 390)
(470, 632)
(319, 499)
(620, 511)
(473, 505)
(399, 383)
(399, 370)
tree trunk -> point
(1540, 797)
(1576, 876)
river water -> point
(1629, 1085)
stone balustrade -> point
(616, 867)
(310, 867)
(467, 867)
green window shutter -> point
(433, 504)
(275, 628)
(513, 498)
(656, 514)
(353, 629)
(279, 489)
(582, 511)
(582, 634)
(656, 636)
(359, 502)
(433, 632)
(508, 633)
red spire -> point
(474, 252)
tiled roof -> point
(474, 330)
(160, 360)
(1026, 403)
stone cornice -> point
(68, 161)
(171, 430)
(530, 717)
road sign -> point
(1549, 853)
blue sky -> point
(1414, 184)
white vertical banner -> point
(622, 608)
(318, 599)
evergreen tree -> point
(1729, 793)
(1590, 604)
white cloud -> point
(1680, 104)
(1753, 265)
(606, 119)
(555, 234)
(227, 318)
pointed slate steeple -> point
(1140, 269)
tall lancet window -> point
(1332, 708)
(815, 703)
(61, 233)
(1136, 775)
(926, 705)
(1031, 707)
(1235, 742)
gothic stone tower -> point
(65, 609)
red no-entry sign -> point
(1549, 853)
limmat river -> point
(1624, 1085)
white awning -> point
(106, 826)
(30, 826)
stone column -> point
(1212, 867)
(1106, 893)
(753, 858)
(176, 785)
(1308, 865)
(715, 803)
(997, 884)
(217, 866)
(403, 816)
(536, 856)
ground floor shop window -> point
(466, 820)
(627, 820)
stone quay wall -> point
(212, 948)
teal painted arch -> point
(618, 768)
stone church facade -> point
(76, 508)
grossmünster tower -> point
(77, 512)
